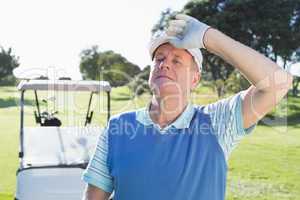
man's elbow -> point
(279, 83)
(276, 88)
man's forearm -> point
(263, 73)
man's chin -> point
(166, 90)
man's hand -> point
(187, 31)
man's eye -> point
(176, 61)
(159, 59)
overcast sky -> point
(53, 32)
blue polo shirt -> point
(137, 159)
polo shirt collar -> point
(183, 121)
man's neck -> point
(164, 112)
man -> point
(173, 149)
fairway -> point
(265, 166)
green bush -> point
(236, 82)
(8, 80)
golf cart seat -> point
(53, 162)
(55, 146)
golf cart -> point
(52, 156)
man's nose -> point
(164, 64)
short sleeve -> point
(97, 173)
(227, 122)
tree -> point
(236, 82)
(296, 82)
(165, 16)
(271, 28)
(139, 84)
(8, 62)
(107, 65)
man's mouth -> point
(162, 76)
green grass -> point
(265, 166)
(6, 196)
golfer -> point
(172, 149)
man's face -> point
(173, 72)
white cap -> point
(164, 38)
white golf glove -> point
(187, 32)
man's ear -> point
(196, 79)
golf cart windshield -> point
(57, 92)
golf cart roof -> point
(64, 85)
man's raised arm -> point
(269, 82)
